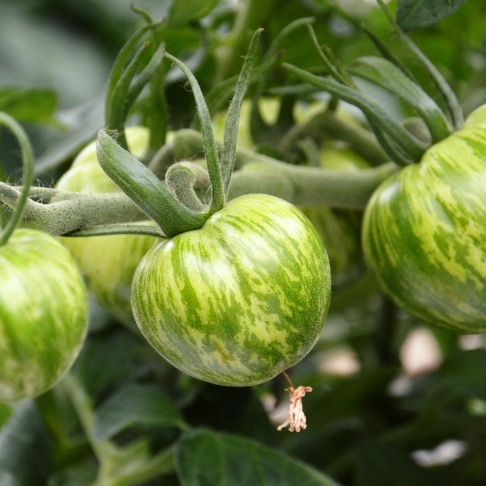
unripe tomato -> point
(239, 300)
(107, 263)
(424, 232)
(43, 314)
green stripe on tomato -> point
(424, 234)
(43, 314)
(240, 300)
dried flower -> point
(296, 419)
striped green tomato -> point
(107, 263)
(424, 232)
(239, 300)
(43, 314)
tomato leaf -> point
(185, 11)
(106, 361)
(24, 452)
(417, 14)
(205, 457)
(30, 105)
(135, 405)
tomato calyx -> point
(402, 145)
(173, 204)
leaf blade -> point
(205, 457)
(417, 14)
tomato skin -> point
(43, 314)
(424, 233)
(107, 263)
(239, 300)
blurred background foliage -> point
(394, 402)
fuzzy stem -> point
(28, 175)
(63, 213)
(309, 186)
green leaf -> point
(85, 121)
(379, 463)
(107, 360)
(24, 449)
(416, 14)
(463, 374)
(185, 11)
(205, 457)
(135, 405)
(30, 105)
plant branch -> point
(28, 175)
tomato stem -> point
(28, 174)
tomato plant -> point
(282, 207)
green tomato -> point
(424, 232)
(107, 263)
(43, 314)
(241, 299)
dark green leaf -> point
(29, 105)
(416, 14)
(185, 11)
(380, 464)
(107, 359)
(139, 405)
(24, 449)
(210, 458)
(463, 374)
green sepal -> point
(376, 115)
(389, 77)
(129, 75)
(450, 98)
(218, 198)
(228, 155)
(143, 187)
